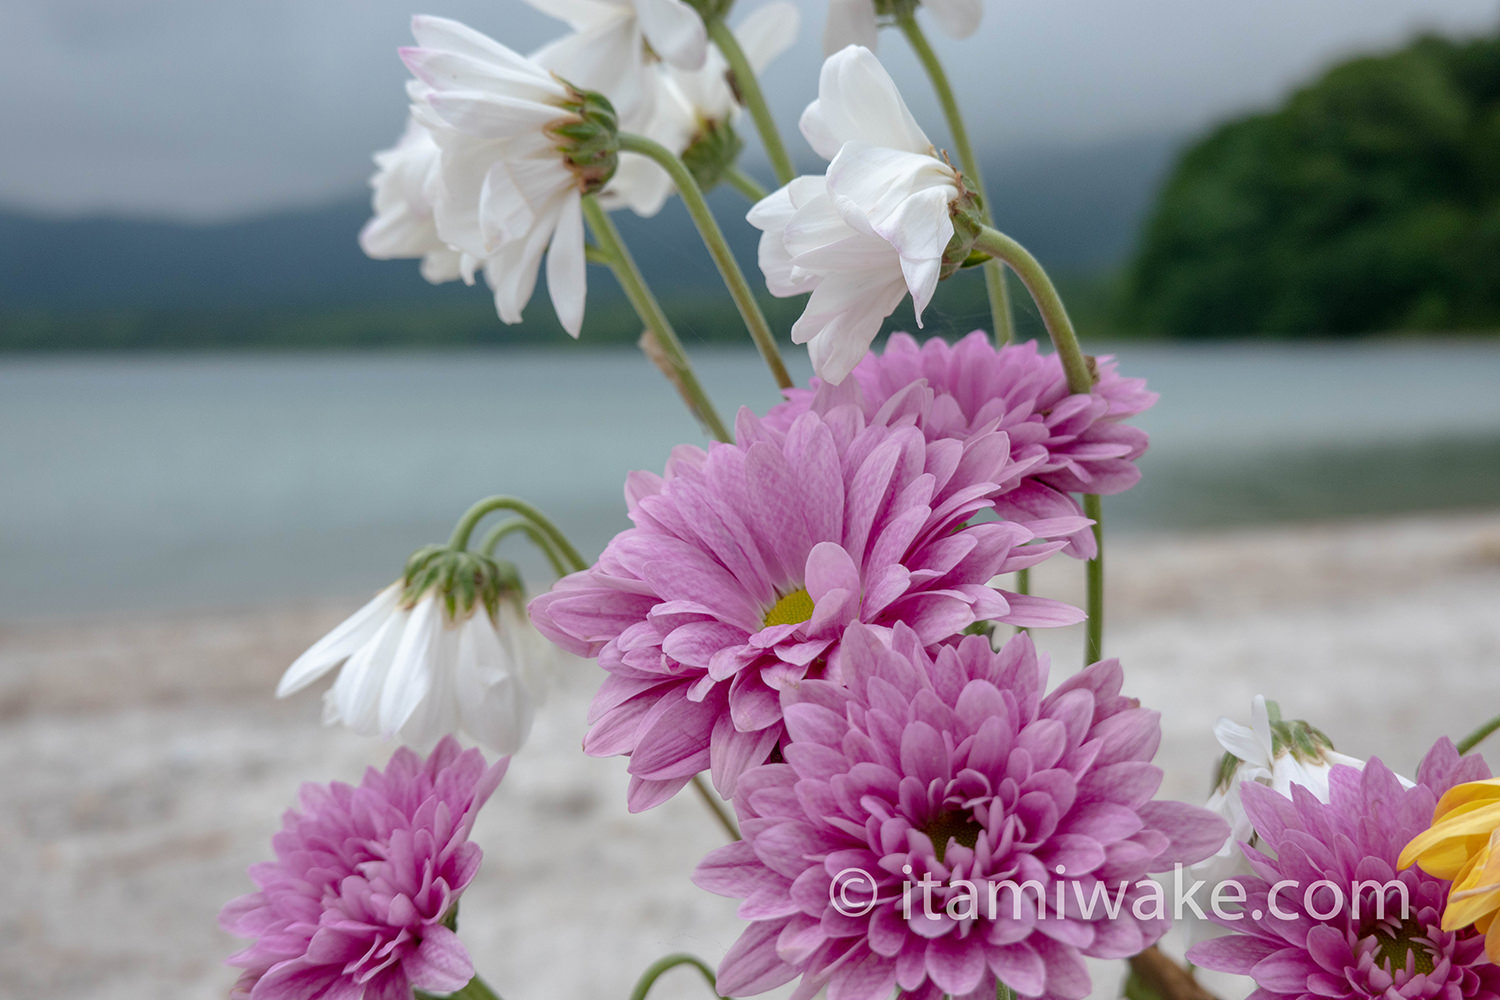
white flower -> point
(615, 44)
(852, 22)
(690, 104)
(874, 228)
(1270, 761)
(406, 186)
(508, 192)
(417, 674)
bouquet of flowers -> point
(819, 623)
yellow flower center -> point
(793, 609)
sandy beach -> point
(147, 762)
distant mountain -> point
(1078, 210)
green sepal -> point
(713, 151)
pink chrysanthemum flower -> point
(354, 906)
(958, 769)
(1392, 945)
(1081, 442)
(747, 562)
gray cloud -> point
(186, 108)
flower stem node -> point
(589, 143)
(713, 151)
(462, 580)
(967, 211)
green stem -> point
(1093, 646)
(1048, 303)
(715, 806)
(1477, 736)
(649, 310)
(654, 972)
(747, 88)
(465, 527)
(1080, 379)
(500, 531)
(718, 248)
(994, 274)
(744, 184)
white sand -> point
(147, 763)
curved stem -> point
(718, 248)
(747, 88)
(1080, 379)
(650, 312)
(515, 524)
(1093, 645)
(465, 527)
(654, 972)
(745, 184)
(1478, 736)
(715, 806)
(994, 274)
(1048, 302)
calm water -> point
(157, 482)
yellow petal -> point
(1469, 791)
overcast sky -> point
(223, 107)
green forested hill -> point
(1370, 201)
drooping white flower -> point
(876, 226)
(1278, 755)
(417, 672)
(406, 186)
(615, 45)
(510, 190)
(853, 22)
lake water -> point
(188, 482)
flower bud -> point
(590, 142)
(713, 150)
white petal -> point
(436, 715)
(850, 22)
(674, 31)
(354, 698)
(842, 319)
(567, 267)
(494, 706)
(494, 116)
(1240, 741)
(880, 185)
(957, 18)
(858, 101)
(768, 32)
(582, 14)
(343, 642)
(410, 678)
(442, 34)
(511, 273)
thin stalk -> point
(1048, 303)
(1478, 736)
(745, 184)
(1093, 644)
(1080, 379)
(718, 248)
(715, 806)
(465, 527)
(747, 88)
(650, 312)
(994, 273)
(500, 531)
(656, 969)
